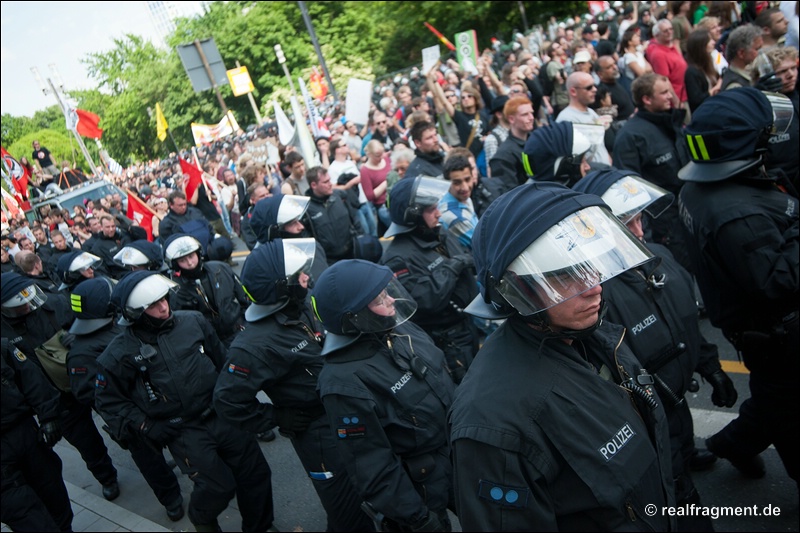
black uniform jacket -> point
(25, 390)
(544, 440)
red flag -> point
(195, 178)
(19, 174)
(88, 124)
(141, 214)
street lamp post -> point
(282, 61)
(65, 108)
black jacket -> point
(82, 361)
(25, 389)
(286, 368)
(507, 164)
(333, 224)
(106, 248)
(180, 375)
(439, 284)
(172, 223)
(545, 440)
(219, 296)
(425, 164)
(390, 421)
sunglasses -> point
(451, 95)
(381, 122)
(588, 88)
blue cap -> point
(90, 302)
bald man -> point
(581, 89)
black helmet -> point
(72, 266)
(409, 198)
(730, 132)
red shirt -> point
(669, 62)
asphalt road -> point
(297, 507)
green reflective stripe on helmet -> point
(248, 294)
(526, 164)
(691, 147)
(75, 300)
(702, 146)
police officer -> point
(655, 303)
(40, 330)
(210, 287)
(276, 276)
(434, 268)
(140, 255)
(109, 241)
(744, 244)
(75, 267)
(557, 153)
(94, 329)
(157, 379)
(386, 392)
(556, 425)
(34, 497)
(281, 216)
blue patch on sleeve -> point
(100, 382)
(504, 495)
(351, 427)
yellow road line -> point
(243, 253)
(734, 366)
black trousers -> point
(316, 449)
(223, 461)
(80, 431)
(155, 471)
(34, 497)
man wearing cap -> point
(40, 330)
(277, 277)
(506, 164)
(94, 328)
(652, 144)
(556, 425)
(743, 241)
(157, 379)
(434, 268)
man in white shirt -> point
(582, 91)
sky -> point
(36, 34)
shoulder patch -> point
(237, 370)
(350, 427)
(503, 495)
(399, 267)
(19, 355)
(100, 381)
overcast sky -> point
(36, 34)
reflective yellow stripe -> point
(314, 305)
(248, 294)
(691, 147)
(702, 146)
(526, 164)
(75, 299)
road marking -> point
(737, 367)
(243, 253)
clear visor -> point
(392, 307)
(782, 112)
(298, 256)
(181, 247)
(84, 262)
(130, 257)
(292, 208)
(580, 252)
(631, 195)
(25, 301)
(147, 292)
(429, 191)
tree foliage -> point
(358, 39)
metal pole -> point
(312, 33)
(213, 82)
(252, 100)
(65, 109)
(524, 17)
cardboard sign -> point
(359, 96)
(467, 51)
(430, 56)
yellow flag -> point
(161, 123)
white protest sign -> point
(359, 96)
(430, 56)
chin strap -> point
(540, 321)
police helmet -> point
(271, 275)
(179, 246)
(140, 255)
(137, 291)
(76, 266)
(555, 153)
(409, 198)
(626, 193)
(271, 214)
(20, 296)
(730, 132)
(355, 297)
(541, 244)
(91, 303)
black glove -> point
(769, 82)
(431, 522)
(159, 431)
(724, 394)
(291, 420)
(461, 262)
(50, 432)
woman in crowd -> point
(701, 79)
(632, 63)
(373, 179)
